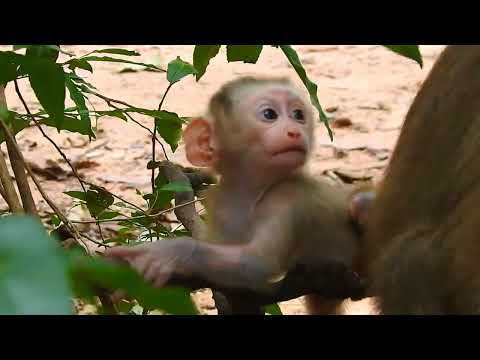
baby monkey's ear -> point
(199, 143)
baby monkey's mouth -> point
(291, 149)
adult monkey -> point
(267, 218)
(424, 252)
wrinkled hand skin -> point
(157, 262)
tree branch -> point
(2, 191)
(11, 196)
(18, 168)
(184, 202)
(21, 179)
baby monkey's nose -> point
(293, 134)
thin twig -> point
(94, 241)
(136, 217)
(155, 134)
(100, 232)
(109, 100)
(116, 196)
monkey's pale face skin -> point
(278, 126)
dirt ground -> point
(366, 88)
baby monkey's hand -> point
(158, 261)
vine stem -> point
(155, 134)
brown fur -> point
(426, 260)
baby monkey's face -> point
(278, 125)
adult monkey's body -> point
(267, 218)
(426, 261)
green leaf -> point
(169, 126)
(49, 52)
(91, 273)
(146, 222)
(33, 270)
(178, 69)
(157, 200)
(48, 82)
(117, 52)
(113, 113)
(409, 51)
(292, 57)
(80, 63)
(55, 220)
(79, 100)
(15, 122)
(148, 112)
(8, 67)
(273, 309)
(19, 47)
(107, 215)
(125, 306)
(77, 195)
(245, 53)
(202, 54)
(129, 68)
(160, 180)
(98, 200)
(110, 59)
(44, 51)
(5, 114)
(176, 186)
(72, 124)
(80, 80)
(121, 204)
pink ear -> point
(197, 137)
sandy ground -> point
(365, 86)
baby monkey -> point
(266, 216)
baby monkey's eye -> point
(298, 115)
(269, 114)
